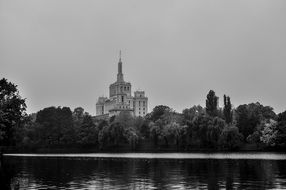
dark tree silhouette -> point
(12, 111)
(249, 116)
(281, 138)
(212, 103)
(159, 111)
(56, 125)
(227, 112)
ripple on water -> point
(147, 171)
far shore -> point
(14, 150)
(174, 155)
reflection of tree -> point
(203, 173)
(230, 164)
(7, 172)
(261, 172)
(142, 173)
(59, 171)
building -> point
(121, 99)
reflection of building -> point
(120, 99)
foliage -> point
(269, 133)
(115, 135)
(125, 119)
(12, 111)
(227, 112)
(56, 126)
(281, 127)
(204, 131)
(78, 114)
(142, 128)
(191, 113)
(212, 104)
(249, 116)
(196, 128)
(173, 134)
(254, 138)
(158, 112)
(87, 132)
(132, 137)
(155, 132)
(230, 138)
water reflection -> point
(121, 173)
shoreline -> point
(122, 149)
(118, 151)
(178, 156)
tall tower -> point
(120, 98)
(120, 74)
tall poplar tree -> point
(212, 104)
(227, 112)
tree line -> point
(247, 127)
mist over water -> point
(142, 173)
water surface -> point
(144, 171)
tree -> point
(197, 131)
(212, 104)
(12, 111)
(132, 137)
(158, 112)
(281, 127)
(173, 134)
(56, 125)
(125, 119)
(249, 116)
(155, 132)
(78, 114)
(269, 133)
(88, 132)
(254, 138)
(191, 113)
(142, 127)
(227, 109)
(230, 138)
(104, 137)
(214, 131)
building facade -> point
(121, 99)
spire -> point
(120, 74)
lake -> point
(144, 171)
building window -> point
(143, 103)
(143, 108)
(124, 88)
(144, 113)
(139, 103)
(139, 108)
(122, 98)
(139, 113)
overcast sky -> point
(65, 53)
